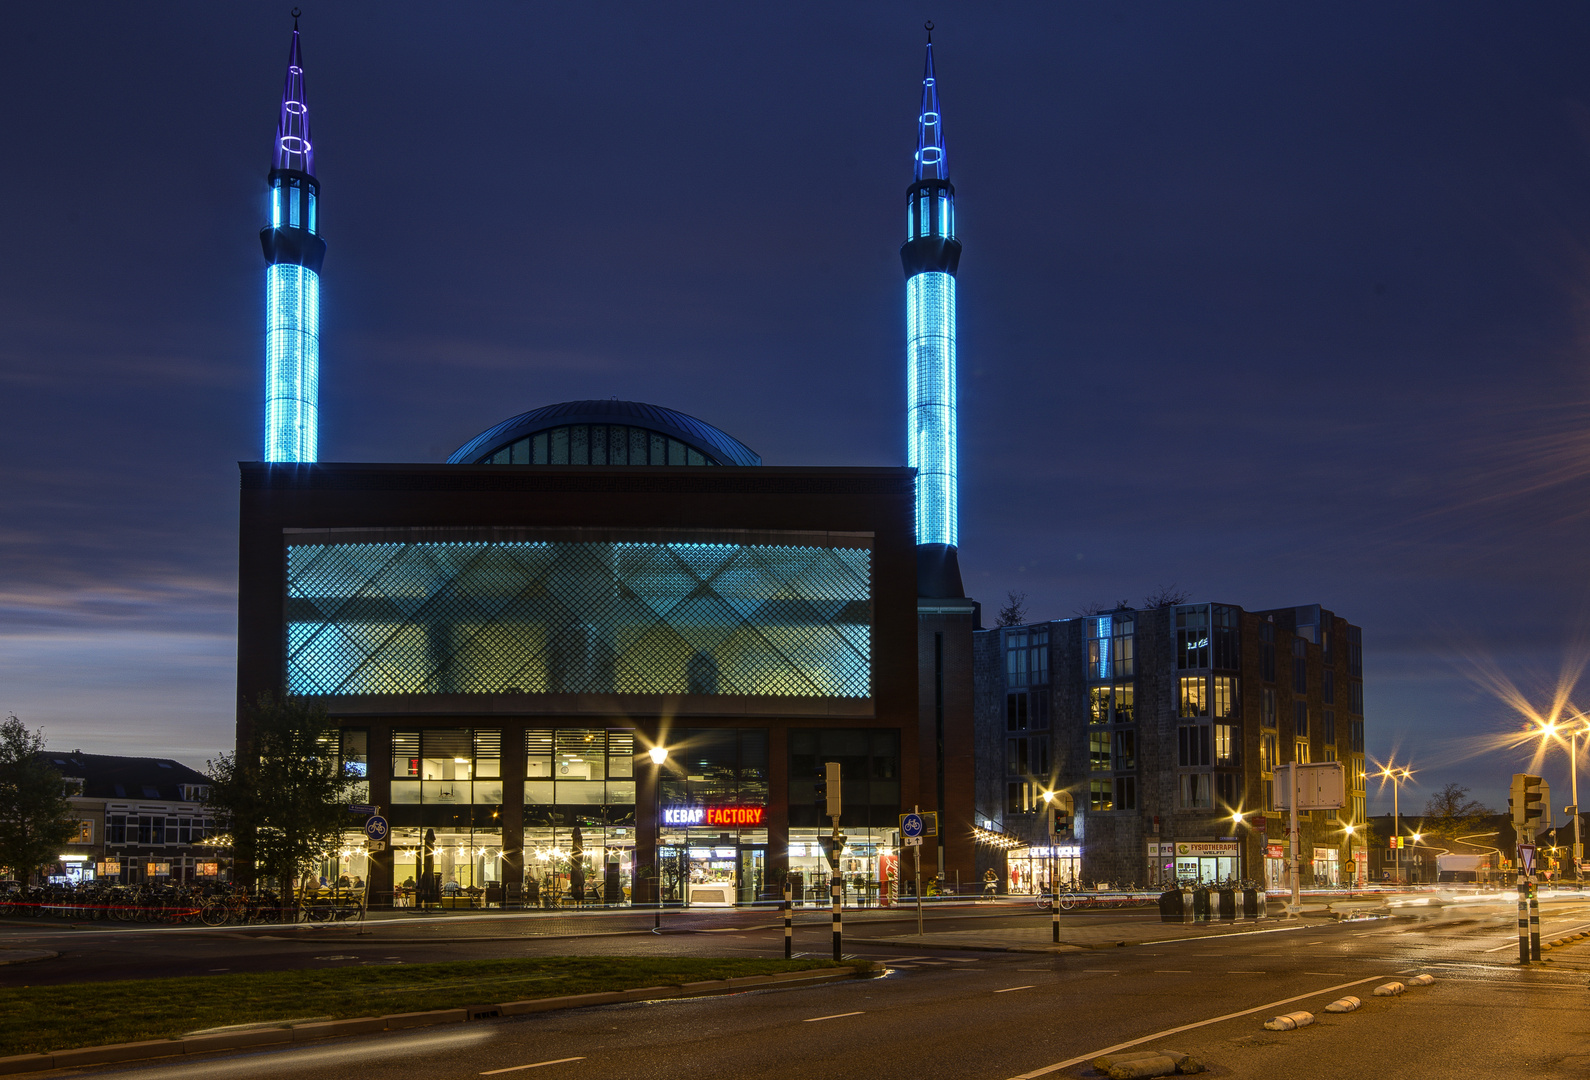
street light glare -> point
(659, 754)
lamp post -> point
(1580, 725)
(1397, 776)
(1238, 819)
(658, 754)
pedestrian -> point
(990, 884)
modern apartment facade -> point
(1154, 735)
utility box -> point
(1320, 786)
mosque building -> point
(502, 639)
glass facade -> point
(543, 617)
(597, 444)
(292, 362)
(931, 408)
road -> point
(1002, 1015)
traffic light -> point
(828, 789)
(1528, 800)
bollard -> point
(789, 924)
(1188, 905)
(1170, 906)
(1228, 903)
(1252, 904)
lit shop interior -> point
(1033, 870)
(714, 795)
(869, 762)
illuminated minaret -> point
(294, 251)
(930, 255)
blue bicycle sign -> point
(911, 825)
(376, 828)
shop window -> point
(405, 754)
(1125, 749)
(1194, 696)
(1101, 795)
(1125, 793)
(1192, 744)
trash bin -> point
(1228, 903)
(1201, 905)
(1253, 903)
(1170, 906)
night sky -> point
(1279, 304)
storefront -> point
(1207, 863)
(441, 867)
(1327, 868)
(713, 855)
(1275, 868)
(1033, 870)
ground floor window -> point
(713, 867)
(574, 859)
(454, 868)
(1033, 870)
(1327, 868)
(868, 866)
(1275, 867)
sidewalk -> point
(1075, 938)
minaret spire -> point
(294, 251)
(931, 255)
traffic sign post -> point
(376, 831)
(912, 828)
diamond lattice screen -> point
(559, 617)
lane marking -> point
(1012, 989)
(1172, 971)
(1219, 937)
(1244, 973)
(537, 1065)
(836, 1016)
(962, 959)
(1047, 1069)
(1330, 974)
(1101, 971)
(1306, 943)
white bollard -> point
(1289, 1022)
(1421, 980)
(1391, 989)
(1341, 1005)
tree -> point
(1166, 596)
(1450, 813)
(282, 793)
(1014, 613)
(35, 818)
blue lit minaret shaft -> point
(293, 252)
(931, 255)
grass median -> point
(45, 1018)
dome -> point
(606, 432)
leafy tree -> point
(1014, 613)
(35, 818)
(281, 791)
(1450, 813)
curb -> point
(116, 1053)
(38, 954)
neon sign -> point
(713, 815)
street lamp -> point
(1398, 776)
(1352, 868)
(1238, 818)
(1580, 725)
(1048, 802)
(658, 755)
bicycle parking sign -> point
(376, 828)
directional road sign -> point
(912, 826)
(376, 828)
(913, 841)
(362, 808)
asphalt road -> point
(1003, 1015)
